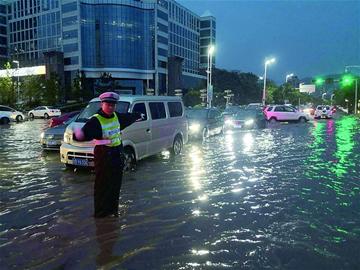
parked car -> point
(4, 119)
(164, 126)
(51, 138)
(230, 111)
(11, 113)
(254, 106)
(285, 113)
(323, 111)
(44, 111)
(204, 122)
(55, 121)
(247, 119)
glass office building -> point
(131, 42)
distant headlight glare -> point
(249, 122)
(194, 127)
(228, 122)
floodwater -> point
(286, 197)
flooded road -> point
(286, 197)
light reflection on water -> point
(281, 198)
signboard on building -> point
(307, 88)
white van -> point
(163, 127)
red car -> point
(53, 122)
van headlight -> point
(67, 137)
(229, 122)
(195, 127)
(249, 122)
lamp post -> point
(331, 98)
(267, 62)
(211, 50)
(356, 87)
(288, 76)
(18, 78)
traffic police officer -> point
(104, 128)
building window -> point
(162, 64)
(163, 28)
(162, 15)
(162, 52)
(71, 47)
(162, 39)
(69, 7)
(69, 21)
(204, 24)
(70, 34)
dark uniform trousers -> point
(109, 170)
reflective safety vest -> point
(110, 131)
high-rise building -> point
(3, 35)
(126, 45)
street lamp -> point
(356, 87)
(288, 76)
(18, 78)
(267, 62)
(331, 98)
(211, 50)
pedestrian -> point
(104, 128)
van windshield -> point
(93, 107)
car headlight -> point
(249, 122)
(195, 127)
(67, 137)
(228, 122)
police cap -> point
(110, 97)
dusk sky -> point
(308, 38)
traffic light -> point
(318, 81)
(347, 80)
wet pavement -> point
(286, 197)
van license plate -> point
(80, 162)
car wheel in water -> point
(4, 121)
(177, 145)
(302, 120)
(272, 120)
(19, 118)
(31, 115)
(129, 160)
(46, 116)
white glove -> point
(79, 134)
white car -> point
(44, 111)
(11, 113)
(286, 113)
(323, 111)
(164, 126)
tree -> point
(7, 89)
(52, 90)
(32, 90)
(192, 98)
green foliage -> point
(244, 86)
(32, 90)
(7, 88)
(51, 91)
(192, 98)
